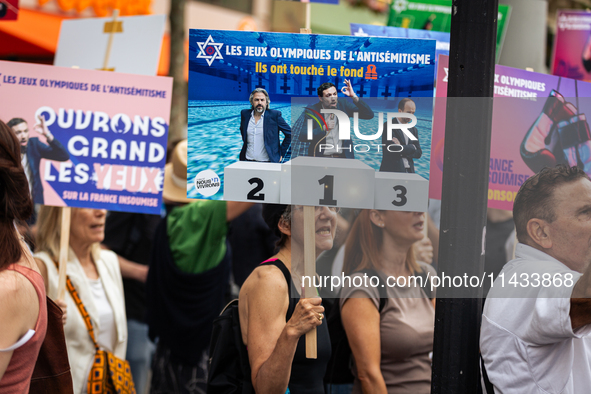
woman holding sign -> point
(96, 279)
(391, 342)
(23, 310)
(272, 321)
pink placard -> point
(538, 120)
(109, 134)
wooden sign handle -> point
(64, 248)
(310, 272)
(110, 42)
(309, 241)
(309, 17)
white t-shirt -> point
(527, 343)
(255, 137)
(107, 330)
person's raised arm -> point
(361, 321)
(271, 342)
(55, 150)
(364, 111)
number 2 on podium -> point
(252, 195)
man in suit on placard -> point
(260, 127)
(33, 150)
(394, 160)
(325, 140)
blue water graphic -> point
(215, 141)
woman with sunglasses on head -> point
(23, 309)
(272, 321)
(391, 342)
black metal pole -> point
(464, 195)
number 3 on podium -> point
(400, 192)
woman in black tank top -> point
(273, 319)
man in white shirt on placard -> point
(536, 323)
(260, 127)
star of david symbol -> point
(209, 50)
(360, 33)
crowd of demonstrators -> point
(187, 280)
(536, 338)
(23, 310)
(97, 285)
(391, 344)
(272, 321)
(533, 341)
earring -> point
(381, 224)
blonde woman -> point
(96, 276)
(390, 347)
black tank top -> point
(307, 374)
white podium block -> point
(250, 181)
(346, 183)
(285, 194)
(396, 191)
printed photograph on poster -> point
(572, 45)
(442, 38)
(548, 126)
(89, 139)
(258, 101)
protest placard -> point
(135, 44)
(538, 120)
(572, 45)
(441, 38)
(225, 67)
(92, 139)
